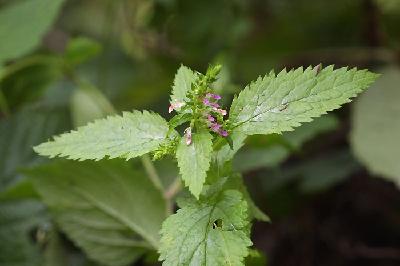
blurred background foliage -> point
(331, 187)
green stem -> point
(152, 172)
(4, 108)
(171, 192)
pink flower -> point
(223, 133)
(215, 127)
(188, 135)
(221, 111)
(206, 102)
(210, 118)
(175, 106)
(214, 96)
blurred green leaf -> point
(376, 126)
(27, 79)
(88, 104)
(269, 151)
(114, 213)
(326, 171)
(256, 258)
(23, 24)
(17, 220)
(81, 49)
(250, 159)
(19, 133)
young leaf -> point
(211, 232)
(103, 206)
(127, 136)
(278, 103)
(183, 81)
(194, 160)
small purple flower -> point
(210, 118)
(188, 135)
(206, 102)
(223, 133)
(215, 127)
(214, 96)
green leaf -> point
(278, 103)
(81, 49)
(127, 136)
(21, 131)
(183, 81)
(376, 127)
(23, 24)
(194, 160)
(114, 213)
(210, 232)
(88, 104)
(28, 79)
(18, 219)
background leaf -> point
(376, 126)
(23, 24)
(114, 213)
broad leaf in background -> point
(23, 24)
(278, 103)
(80, 50)
(88, 104)
(29, 78)
(194, 160)
(17, 220)
(313, 175)
(127, 136)
(211, 232)
(376, 126)
(183, 81)
(269, 151)
(19, 133)
(114, 213)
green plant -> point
(212, 226)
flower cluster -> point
(214, 114)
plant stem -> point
(4, 108)
(152, 172)
(170, 193)
(173, 189)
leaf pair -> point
(272, 104)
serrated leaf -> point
(183, 81)
(127, 136)
(114, 213)
(194, 160)
(210, 232)
(376, 126)
(23, 24)
(278, 103)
